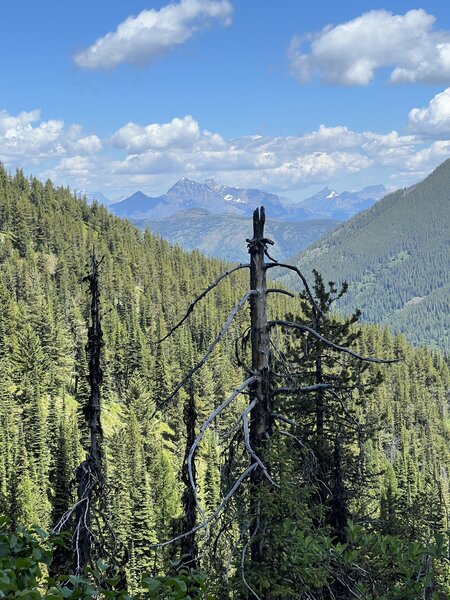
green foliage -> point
(403, 458)
(222, 235)
(23, 561)
(394, 257)
(26, 557)
(184, 585)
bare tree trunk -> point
(89, 475)
(189, 548)
(95, 342)
(260, 390)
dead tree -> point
(257, 419)
(90, 478)
(189, 547)
(261, 418)
(92, 535)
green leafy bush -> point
(26, 556)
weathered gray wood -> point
(260, 391)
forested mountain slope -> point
(46, 240)
(395, 257)
(224, 235)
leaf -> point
(152, 584)
(102, 566)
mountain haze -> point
(224, 235)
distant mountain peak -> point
(330, 204)
(182, 183)
(138, 193)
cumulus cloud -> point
(434, 119)
(27, 136)
(274, 162)
(179, 132)
(350, 53)
(141, 39)
(151, 156)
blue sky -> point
(120, 96)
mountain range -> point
(329, 204)
(216, 218)
(221, 199)
(395, 257)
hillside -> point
(395, 258)
(224, 235)
(46, 240)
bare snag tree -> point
(258, 418)
(189, 549)
(261, 398)
(92, 534)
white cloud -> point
(179, 132)
(274, 162)
(351, 53)
(29, 137)
(152, 156)
(76, 166)
(90, 144)
(26, 134)
(434, 119)
(429, 157)
(141, 39)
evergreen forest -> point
(394, 258)
(340, 489)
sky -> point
(288, 96)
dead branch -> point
(201, 296)
(285, 420)
(244, 553)
(274, 260)
(330, 344)
(66, 516)
(302, 277)
(242, 533)
(204, 427)
(205, 523)
(243, 339)
(299, 442)
(202, 361)
(279, 291)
